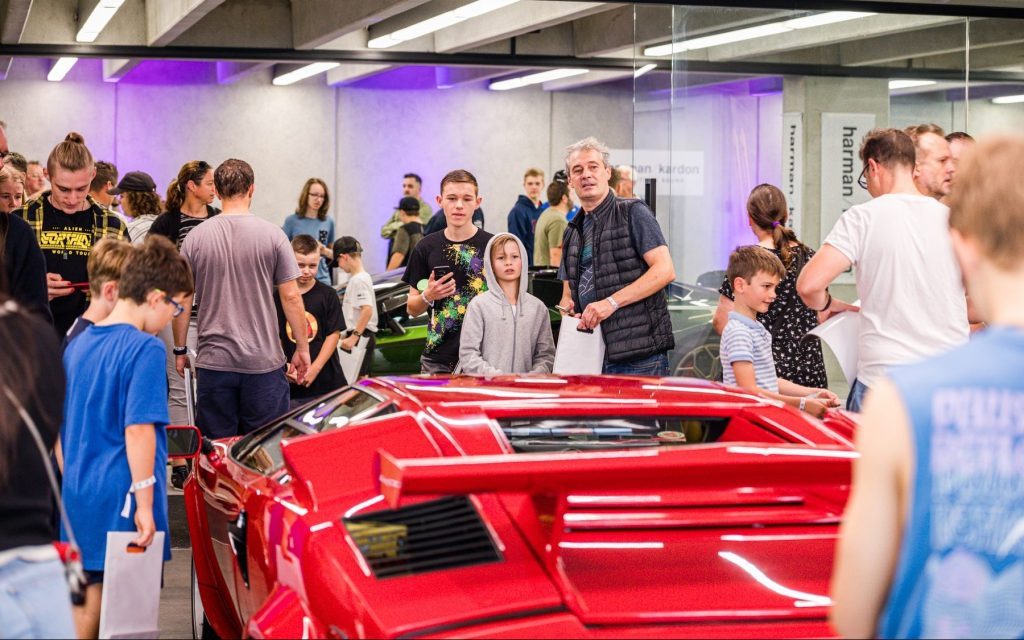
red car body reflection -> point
(522, 507)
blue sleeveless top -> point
(961, 565)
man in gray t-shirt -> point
(237, 259)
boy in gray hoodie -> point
(506, 330)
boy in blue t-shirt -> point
(746, 347)
(113, 447)
(932, 542)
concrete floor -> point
(175, 600)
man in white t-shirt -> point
(360, 303)
(912, 296)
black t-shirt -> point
(25, 266)
(323, 317)
(66, 241)
(26, 503)
(466, 260)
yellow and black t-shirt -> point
(66, 240)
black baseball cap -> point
(346, 245)
(409, 204)
(133, 181)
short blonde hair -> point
(533, 172)
(987, 201)
(106, 262)
(500, 241)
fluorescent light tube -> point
(535, 78)
(302, 73)
(1008, 99)
(751, 33)
(909, 84)
(100, 16)
(821, 19)
(644, 69)
(438, 22)
(60, 69)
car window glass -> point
(533, 435)
(261, 450)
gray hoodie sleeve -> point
(544, 351)
(471, 343)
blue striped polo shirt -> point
(746, 340)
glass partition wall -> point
(743, 96)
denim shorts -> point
(34, 600)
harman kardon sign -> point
(841, 135)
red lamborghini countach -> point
(521, 507)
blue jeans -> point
(856, 399)
(34, 600)
(234, 404)
(656, 365)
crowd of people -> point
(136, 298)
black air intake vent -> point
(430, 536)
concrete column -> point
(810, 97)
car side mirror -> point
(183, 442)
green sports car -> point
(400, 339)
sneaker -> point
(178, 477)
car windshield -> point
(534, 435)
(261, 450)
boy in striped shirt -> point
(746, 348)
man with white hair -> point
(627, 180)
(616, 264)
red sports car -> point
(521, 507)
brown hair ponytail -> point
(193, 171)
(767, 208)
(70, 155)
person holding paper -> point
(746, 350)
(615, 267)
(931, 543)
(113, 447)
(323, 325)
(360, 304)
(506, 329)
(912, 297)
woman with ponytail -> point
(788, 319)
(188, 205)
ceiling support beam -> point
(316, 23)
(511, 21)
(15, 17)
(947, 39)
(168, 19)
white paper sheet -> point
(578, 352)
(352, 361)
(130, 607)
(841, 333)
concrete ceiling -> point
(244, 36)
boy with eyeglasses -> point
(113, 447)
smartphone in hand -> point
(441, 271)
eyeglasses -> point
(178, 308)
(863, 179)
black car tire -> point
(701, 362)
(201, 629)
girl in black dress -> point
(788, 319)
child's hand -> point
(830, 399)
(145, 525)
(816, 408)
(349, 342)
(314, 371)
